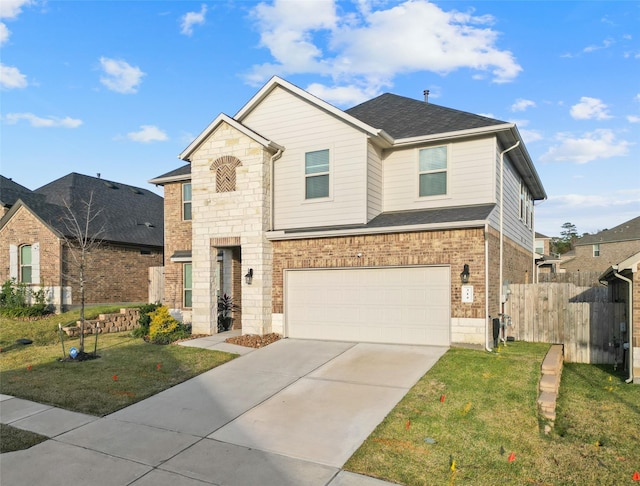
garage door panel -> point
(405, 305)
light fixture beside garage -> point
(249, 276)
(464, 276)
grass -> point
(463, 420)
(127, 371)
(13, 439)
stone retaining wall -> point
(550, 384)
(125, 320)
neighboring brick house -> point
(34, 239)
(545, 261)
(394, 221)
(596, 253)
(623, 280)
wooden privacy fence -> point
(581, 318)
(156, 284)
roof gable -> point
(182, 173)
(222, 118)
(11, 191)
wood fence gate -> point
(156, 284)
(581, 318)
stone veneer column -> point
(227, 219)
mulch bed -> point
(254, 340)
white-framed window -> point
(432, 171)
(186, 201)
(539, 247)
(26, 264)
(316, 174)
(596, 250)
(526, 205)
(187, 283)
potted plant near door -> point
(225, 307)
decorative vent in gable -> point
(225, 168)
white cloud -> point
(530, 136)
(10, 9)
(11, 77)
(43, 122)
(599, 144)
(364, 50)
(4, 33)
(633, 119)
(120, 76)
(148, 134)
(605, 44)
(522, 105)
(192, 18)
(589, 109)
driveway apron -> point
(290, 413)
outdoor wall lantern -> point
(249, 276)
(464, 276)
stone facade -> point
(235, 220)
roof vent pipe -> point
(426, 95)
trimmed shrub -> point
(15, 297)
(142, 331)
(164, 329)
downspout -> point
(502, 300)
(274, 157)
(630, 319)
(488, 329)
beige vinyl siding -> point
(513, 227)
(469, 176)
(300, 128)
(374, 181)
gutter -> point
(630, 319)
(274, 157)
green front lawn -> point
(127, 371)
(472, 419)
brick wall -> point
(451, 247)
(610, 254)
(177, 236)
(25, 229)
(113, 274)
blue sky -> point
(120, 88)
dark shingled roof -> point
(404, 117)
(128, 214)
(185, 170)
(11, 191)
(629, 230)
(416, 217)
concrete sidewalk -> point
(291, 413)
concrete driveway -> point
(290, 413)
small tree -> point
(566, 240)
(83, 234)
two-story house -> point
(395, 221)
(38, 245)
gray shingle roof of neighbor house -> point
(629, 230)
(11, 191)
(403, 117)
(128, 215)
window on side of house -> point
(596, 250)
(432, 171)
(187, 282)
(526, 205)
(186, 201)
(26, 268)
(316, 174)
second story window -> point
(316, 174)
(596, 250)
(26, 268)
(186, 201)
(432, 171)
(526, 205)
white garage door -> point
(403, 305)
